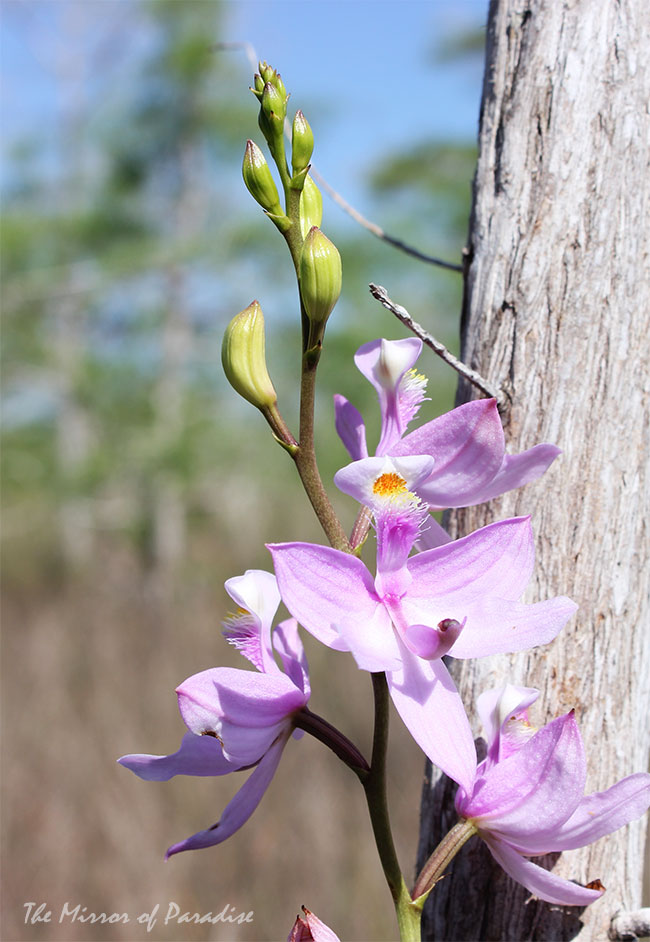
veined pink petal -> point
(198, 755)
(321, 587)
(596, 816)
(536, 788)
(468, 446)
(427, 700)
(241, 807)
(540, 882)
(287, 643)
(499, 626)
(350, 427)
(496, 560)
(517, 470)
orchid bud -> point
(269, 76)
(311, 929)
(259, 181)
(311, 206)
(243, 357)
(302, 143)
(320, 275)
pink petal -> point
(246, 710)
(287, 643)
(540, 882)
(535, 789)
(495, 706)
(596, 816)
(427, 700)
(496, 560)
(241, 807)
(350, 427)
(468, 446)
(198, 755)
(384, 363)
(432, 535)
(321, 587)
(374, 644)
(496, 626)
(517, 470)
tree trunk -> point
(555, 313)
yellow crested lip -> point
(389, 484)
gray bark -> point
(555, 313)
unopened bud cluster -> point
(298, 216)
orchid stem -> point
(305, 456)
(409, 913)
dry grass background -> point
(90, 666)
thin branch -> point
(377, 230)
(372, 227)
(469, 374)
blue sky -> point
(369, 68)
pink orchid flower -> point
(527, 797)
(238, 718)
(468, 443)
(460, 599)
(309, 928)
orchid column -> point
(553, 314)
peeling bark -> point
(555, 313)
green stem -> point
(280, 428)
(408, 912)
(305, 457)
(438, 861)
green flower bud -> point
(274, 104)
(258, 86)
(243, 357)
(269, 75)
(259, 181)
(266, 71)
(302, 143)
(311, 206)
(320, 275)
